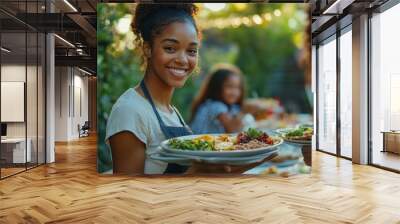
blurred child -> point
(217, 108)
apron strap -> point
(171, 168)
(147, 95)
(179, 116)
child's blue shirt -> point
(205, 120)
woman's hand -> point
(207, 168)
(231, 123)
(253, 108)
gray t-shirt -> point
(133, 113)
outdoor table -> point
(302, 151)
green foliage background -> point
(267, 54)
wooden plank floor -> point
(71, 191)
(10, 171)
(387, 159)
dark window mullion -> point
(338, 98)
(0, 94)
(369, 91)
(317, 97)
(26, 86)
(45, 88)
(73, 92)
(37, 90)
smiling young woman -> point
(143, 116)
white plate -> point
(230, 153)
(181, 161)
(298, 142)
(283, 132)
(187, 159)
(308, 125)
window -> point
(346, 93)
(385, 87)
(22, 69)
(327, 96)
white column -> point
(50, 110)
(360, 90)
(50, 92)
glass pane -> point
(346, 94)
(31, 97)
(13, 87)
(32, 85)
(327, 97)
(41, 99)
(313, 84)
(23, 81)
(386, 89)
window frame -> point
(342, 27)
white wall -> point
(61, 103)
(33, 127)
(71, 93)
(12, 73)
(80, 115)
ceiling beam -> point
(81, 61)
(320, 23)
(337, 7)
(89, 30)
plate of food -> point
(300, 135)
(164, 156)
(283, 130)
(250, 142)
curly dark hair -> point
(150, 19)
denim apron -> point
(168, 131)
